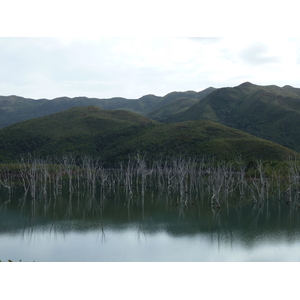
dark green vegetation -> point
(113, 135)
(176, 106)
(80, 130)
(191, 125)
(268, 112)
(15, 109)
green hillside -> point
(70, 130)
(268, 112)
(176, 106)
(113, 135)
(15, 109)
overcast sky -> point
(105, 67)
(132, 67)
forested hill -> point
(15, 109)
(113, 135)
(268, 112)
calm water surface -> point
(82, 227)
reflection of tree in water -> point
(141, 226)
(177, 195)
(101, 225)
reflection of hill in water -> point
(275, 219)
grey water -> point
(93, 227)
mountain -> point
(113, 135)
(72, 130)
(15, 109)
(176, 106)
(268, 112)
(177, 102)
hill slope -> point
(269, 112)
(113, 135)
(176, 106)
(16, 109)
(72, 130)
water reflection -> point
(155, 226)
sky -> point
(105, 67)
(133, 48)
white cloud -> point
(133, 67)
(257, 54)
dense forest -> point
(251, 121)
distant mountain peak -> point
(246, 84)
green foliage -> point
(115, 134)
(176, 106)
(14, 109)
(268, 112)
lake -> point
(87, 225)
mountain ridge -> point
(268, 112)
(15, 108)
(113, 135)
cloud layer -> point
(132, 67)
